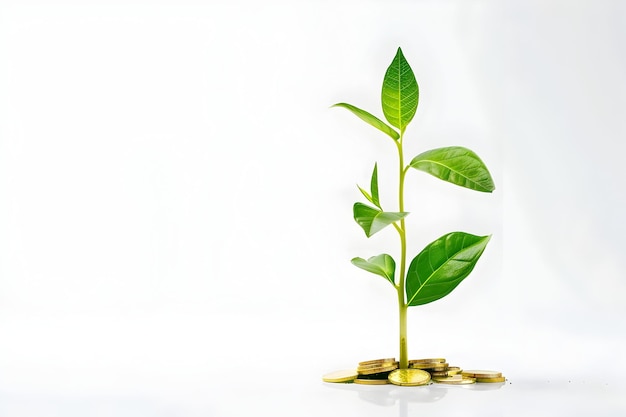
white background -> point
(176, 200)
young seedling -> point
(444, 263)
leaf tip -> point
(485, 239)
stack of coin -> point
(451, 371)
(430, 365)
(420, 372)
(440, 371)
(375, 372)
(457, 379)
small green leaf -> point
(371, 119)
(442, 265)
(382, 265)
(400, 93)
(374, 187)
(373, 220)
(373, 197)
(457, 165)
(366, 194)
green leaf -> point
(457, 165)
(382, 265)
(373, 197)
(373, 220)
(371, 119)
(400, 92)
(374, 187)
(442, 265)
(366, 194)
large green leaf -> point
(373, 220)
(371, 119)
(382, 265)
(457, 165)
(442, 265)
(400, 92)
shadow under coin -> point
(491, 386)
(388, 395)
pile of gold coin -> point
(375, 372)
(420, 372)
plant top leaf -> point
(371, 119)
(457, 165)
(382, 265)
(442, 265)
(400, 93)
(373, 220)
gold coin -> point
(482, 374)
(376, 370)
(453, 370)
(448, 378)
(495, 379)
(427, 360)
(439, 374)
(371, 381)
(378, 365)
(340, 376)
(376, 361)
(409, 377)
(432, 366)
(453, 380)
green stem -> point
(402, 306)
(404, 357)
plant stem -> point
(402, 307)
(404, 358)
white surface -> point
(176, 204)
(516, 399)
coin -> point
(377, 365)
(482, 374)
(371, 381)
(453, 370)
(495, 379)
(448, 378)
(376, 361)
(340, 376)
(376, 370)
(453, 380)
(432, 366)
(409, 377)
